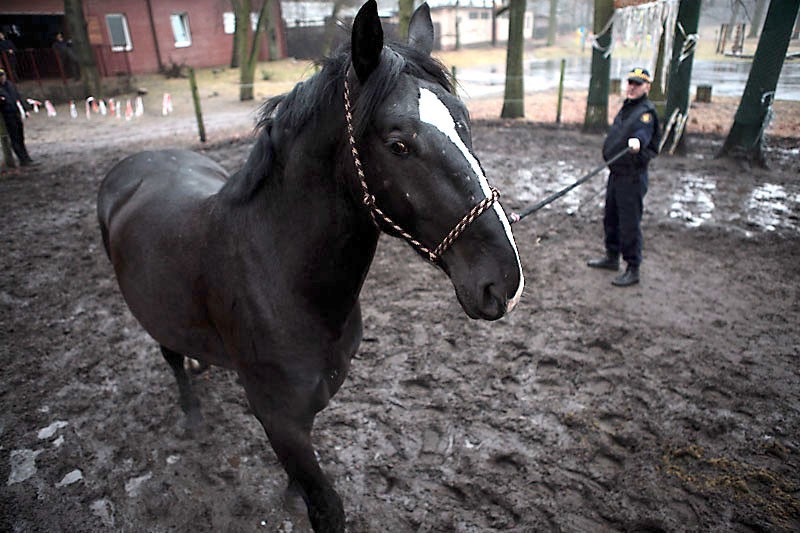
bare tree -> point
(405, 9)
(552, 23)
(746, 136)
(596, 118)
(331, 24)
(758, 18)
(76, 22)
(680, 75)
(514, 98)
(249, 48)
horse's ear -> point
(420, 29)
(367, 40)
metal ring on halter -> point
(435, 255)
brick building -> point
(137, 36)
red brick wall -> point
(211, 46)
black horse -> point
(260, 272)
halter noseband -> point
(435, 255)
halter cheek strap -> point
(378, 216)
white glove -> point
(634, 145)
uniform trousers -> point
(623, 215)
(17, 135)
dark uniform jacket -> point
(637, 118)
(8, 99)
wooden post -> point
(453, 72)
(560, 90)
(197, 111)
(703, 94)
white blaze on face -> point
(432, 111)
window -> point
(473, 15)
(180, 29)
(118, 32)
(229, 22)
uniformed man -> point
(13, 119)
(635, 127)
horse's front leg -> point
(188, 401)
(287, 410)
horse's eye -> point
(399, 148)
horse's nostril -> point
(494, 302)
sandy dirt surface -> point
(670, 406)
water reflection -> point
(771, 207)
(530, 188)
(694, 202)
(727, 78)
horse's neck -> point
(308, 216)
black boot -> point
(630, 277)
(609, 262)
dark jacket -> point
(8, 99)
(637, 118)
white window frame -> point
(128, 46)
(183, 20)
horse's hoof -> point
(193, 419)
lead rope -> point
(376, 213)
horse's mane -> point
(309, 99)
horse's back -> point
(174, 175)
(154, 210)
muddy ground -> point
(670, 406)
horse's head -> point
(416, 151)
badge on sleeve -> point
(646, 118)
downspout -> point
(155, 35)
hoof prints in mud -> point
(671, 406)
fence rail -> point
(38, 64)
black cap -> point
(641, 75)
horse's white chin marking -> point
(432, 111)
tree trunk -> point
(405, 10)
(247, 70)
(657, 95)
(235, 49)
(680, 76)
(76, 22)
(758, 17)
(596, 119)
(458, 25)
(746, 136)
(330, 27)
(272, 33)
(796, 32)
(514, 99)
(552, 23)
(241, 17)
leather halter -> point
(378, 216)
